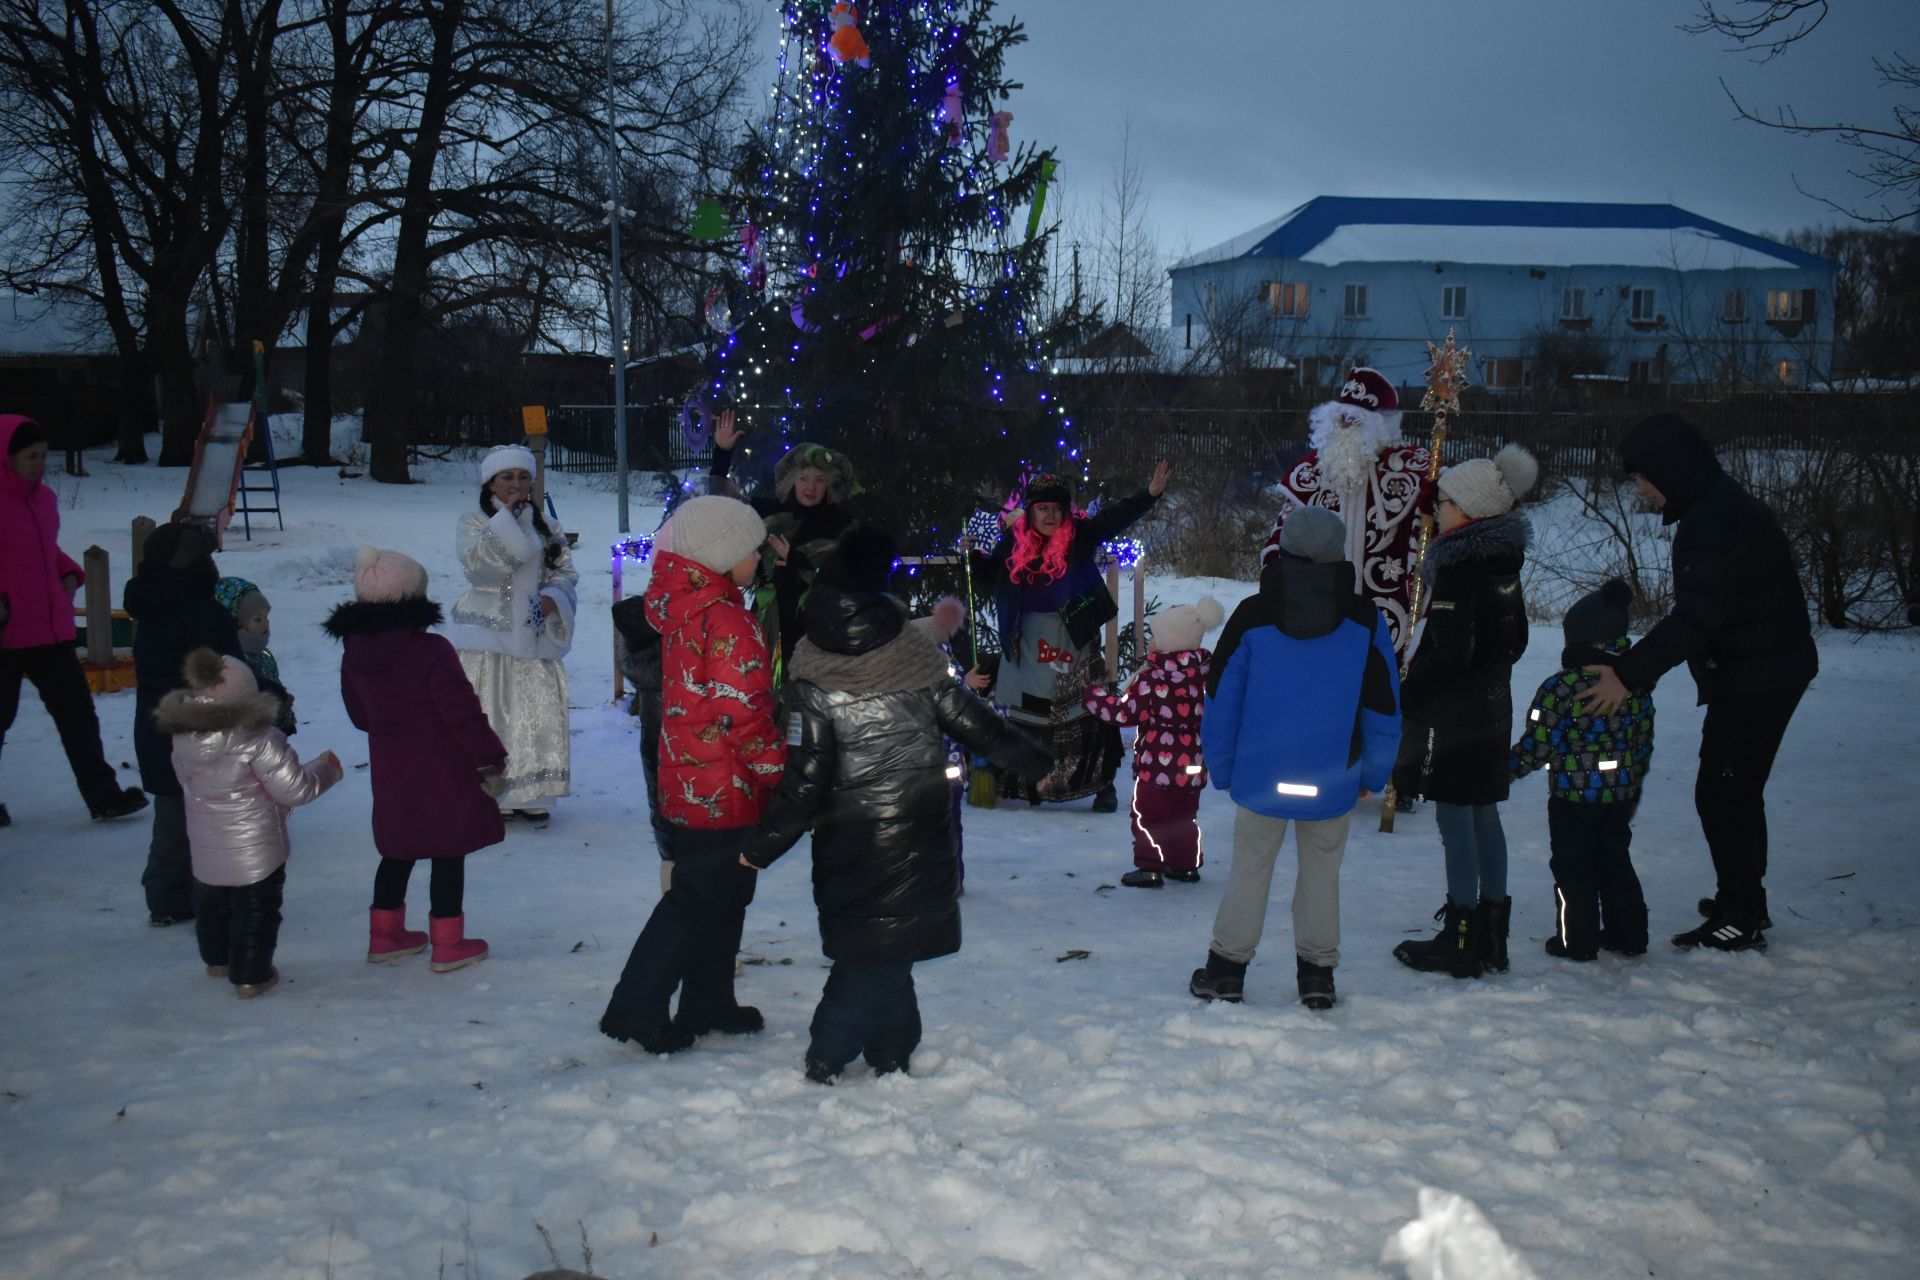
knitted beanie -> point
(1049, 488)
(1314, 533)
(218, 677)
(1483, 487)
(1599, 618)
(383, 577)
(1184, 626)
(178, 544)
(862, 560)
(241, 598)
(507, 457)
(712, 531)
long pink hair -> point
(1035, 560)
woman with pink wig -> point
(1051, 604)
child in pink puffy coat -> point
(239, 778)
(1165, 702)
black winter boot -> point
(1455, 949)
(1725, 931)
(1143, 878)
(1710, 907)
(1493, 916)
(1316, 983)
(1222, 979)
(1106, 800)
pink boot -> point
(388, 937)
(450, 949)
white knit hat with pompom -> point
(1483, 487)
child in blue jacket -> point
(1302, 722)
(1596, 764)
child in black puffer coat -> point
(871, 699)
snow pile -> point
(1452, 1240)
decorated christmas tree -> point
(887, 235)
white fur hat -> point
(1483, 487)
(221, 678)
(1185, 625)
(712, 531)
(507, 457)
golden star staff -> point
(1446, 378)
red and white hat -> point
(1366, 389)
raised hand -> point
(725, 434)
(1161, 474)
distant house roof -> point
(1330, 230)
(39, 326)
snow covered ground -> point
(1676, 1115)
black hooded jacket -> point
(871, 699)
(177, 614)
(1457, 699)
(640, 663)
(1739, 617)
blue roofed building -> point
(1545, 294)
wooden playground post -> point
(99, 606)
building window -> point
(1286, 298)
(1505, 373)
(1786, 304)
(1356, 302)
(1453, 302)
(1734, 309)
(1573, 303)
(1639, 372)
(1640, 309)
(1210, 300)
(1788, 375)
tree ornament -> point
(953, 113)
(997, 148)
(718, 313)
(847, 44)
(709, 221)
(1047, 169)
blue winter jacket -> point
(1303, 699)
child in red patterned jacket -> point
(721, 756)
(1165, 701)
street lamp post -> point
(615, 293)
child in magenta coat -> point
(1165, 702)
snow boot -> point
(118, 804)
(667, 1038)
(217, 971)
(820, 1072)
(388, 937)
(248, 990)
(1185, 877)
(1143, 878)
(1455, 949)
(1710, 907)
(6, 819)
(1494, 915)
(1724, 931)
(1106, 800)
(1558, 950)
(452, 949)
(740, 1020)
(1222, 979)
(1316, 983)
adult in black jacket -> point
(804, 517)
(1050, 603)
(1457, 701)
(1739, 622)
(171, 597)
(870, 700)
(640, 663)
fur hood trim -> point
(1509, 534)
(185, 712)
(948, 616)
(362, 617)
(906, 662)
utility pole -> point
(616, 293)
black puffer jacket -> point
(871, 699)
(1739, 617)
(177, 614)
(1457, 699)
(640, 663)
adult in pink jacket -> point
(37, 582)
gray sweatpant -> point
(1316, 891)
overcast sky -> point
(1241, 109)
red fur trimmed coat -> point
(1165, 700)
(721, 754)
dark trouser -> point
(1594, 886)
(55, 672)
(446, 890)
(959, 848)
(1165, 836)
(168, 878)
(690, 940)
(868, 1008)
(238, 925)
(1738, 742)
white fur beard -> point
(1346, 460)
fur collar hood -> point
(184, 711)
(362, 617)
(1502, 537)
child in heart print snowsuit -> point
(1165, 702)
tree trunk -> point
(169, 356)
(316, 426)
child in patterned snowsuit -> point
(1597, 765)
(1165, 701)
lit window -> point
(1453, 302)
(1286, 298)
(1573, 303)
(1734, 309)
(1785, 304)
(1789, 375)
(1641, 307)
(1356, 302)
